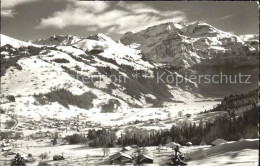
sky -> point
(34, 19)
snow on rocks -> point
(184, 45)
(13, 42)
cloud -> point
(7, 6)
(137, 7)
(225, 17)
(119, 18)
(90, 6)
(7, 13)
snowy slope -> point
(250, 37)
(15, 43)
(242, 152)
(114, 76)
(86, 66)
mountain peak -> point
(13, 42)
(100, 37)
(58, 40)
(186, 45)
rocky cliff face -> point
(57, 40)
(197, 44)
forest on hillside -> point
(231, 126)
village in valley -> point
(50, 141)
(100, 83)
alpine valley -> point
(69, 76)
(95, 101)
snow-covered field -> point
(26, 107)
(238, 153)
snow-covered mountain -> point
(6, 40)
(98, 74)
(104, 74)
(196, 44)
(57, 40)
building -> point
(188, 115)
(218, 142)
(188, 143)
(8, 148)
(145, 159)
(127, 150)
(172, 145)
(120, 158)
(134, 146)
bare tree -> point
(169, 115)
(43, 156)
(159, 148)
(144, 150)
(105, 151)
(5, 155)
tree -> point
(11, 98)
(18, 161)
(5, 155)
(138, 158)
(43, 156)
(87, 157)
(180, 113)
(144, 150)
(169, 139)
(76, 139)
(159, 148)
(105, 151)
(54, 142)
(43, 164)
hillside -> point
(58, 73)
(99, 66)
